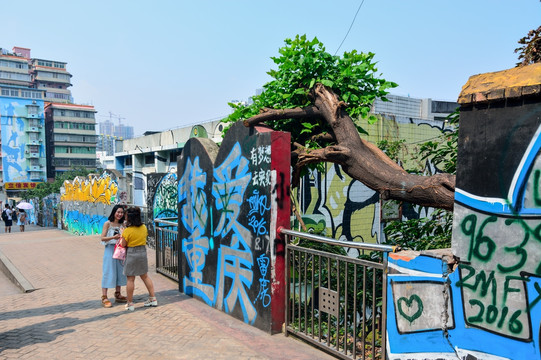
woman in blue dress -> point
(113, 274)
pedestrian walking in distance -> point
(6, 216)
(22, 220)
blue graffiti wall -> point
(16, 139)
(482, 300)
(227, 201)
(87, 203)
(162, 193)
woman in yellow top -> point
(134, 238)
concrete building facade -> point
(23, 143)
(53, 133)
(71, 137)
(157, 153)
(22, 130)
(52, 77)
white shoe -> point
(151, 302)
(130, 307)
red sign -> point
(20, 185)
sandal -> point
(119, 298)
(105, 302)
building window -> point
(128, 161)
(173, 156)
(32, 110)
(149, 159)
(45, 63)
(5, 92)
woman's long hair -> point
(133, 216)
(111, 217)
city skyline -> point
(140, 61)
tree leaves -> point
(301, 65)
(530, 51)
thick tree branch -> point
(360, 159)
(281, 114)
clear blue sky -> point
(170, 63)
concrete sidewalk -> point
(63, 317)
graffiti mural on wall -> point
(48, 210)
(15, 140)
(87, 203)
(345, 204)
(162, 193)
(44, 212)
(228, 216)
(351, 210)
(486, 303)
(164, 204)
(487, 308)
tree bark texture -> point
(360, 159)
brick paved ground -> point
(63, 318)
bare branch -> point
(281, 114)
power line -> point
(355, 17)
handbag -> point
(120, 251)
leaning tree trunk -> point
(361, 159)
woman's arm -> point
(123, 241)
(104, 236)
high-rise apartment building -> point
(124, 131)
(52, 77)
(71, 137)
(22, 130)
(39, 121)
(109, 134)
(107, 144)
(23, 141)
(106, 127)
(14, 69)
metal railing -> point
(167, 247)
(335, 301)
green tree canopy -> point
(322, 99)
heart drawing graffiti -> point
(407, 314)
